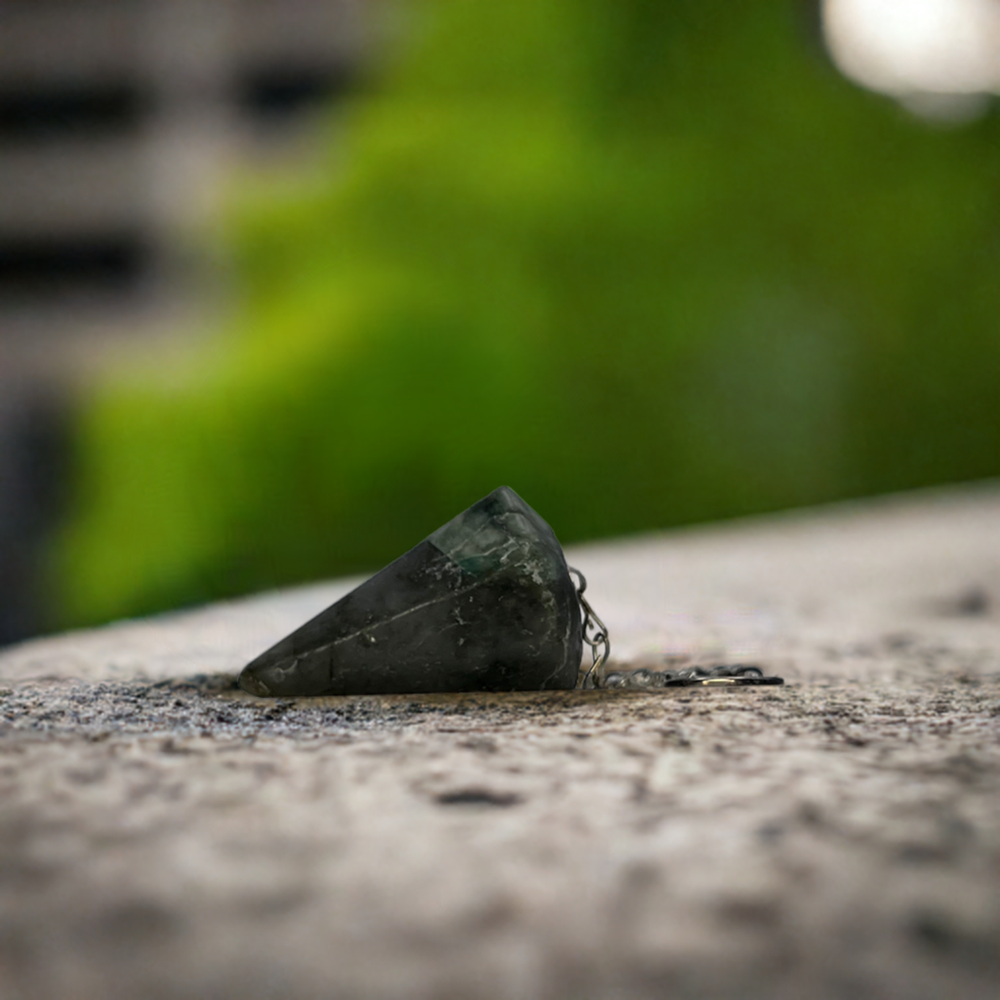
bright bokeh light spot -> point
(917, 47)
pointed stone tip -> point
(252, 684)
(506, 497)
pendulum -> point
(485, 603)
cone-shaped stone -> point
(484, 604)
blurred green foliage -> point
(647, 262)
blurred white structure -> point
(940, 57)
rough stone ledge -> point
(164, 835)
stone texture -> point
(164, 835)
(485, 603)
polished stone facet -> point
(484, 604)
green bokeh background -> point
(647, 261)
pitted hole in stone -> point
(478, 797)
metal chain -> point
(722, 675)
(595, 635)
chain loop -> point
(595, 635)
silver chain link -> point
(595, 635)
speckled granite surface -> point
(163, 835)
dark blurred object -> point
(33, 455)
(38, 265)
(46, 111)
(276, 92)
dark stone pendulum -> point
(486, 603)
